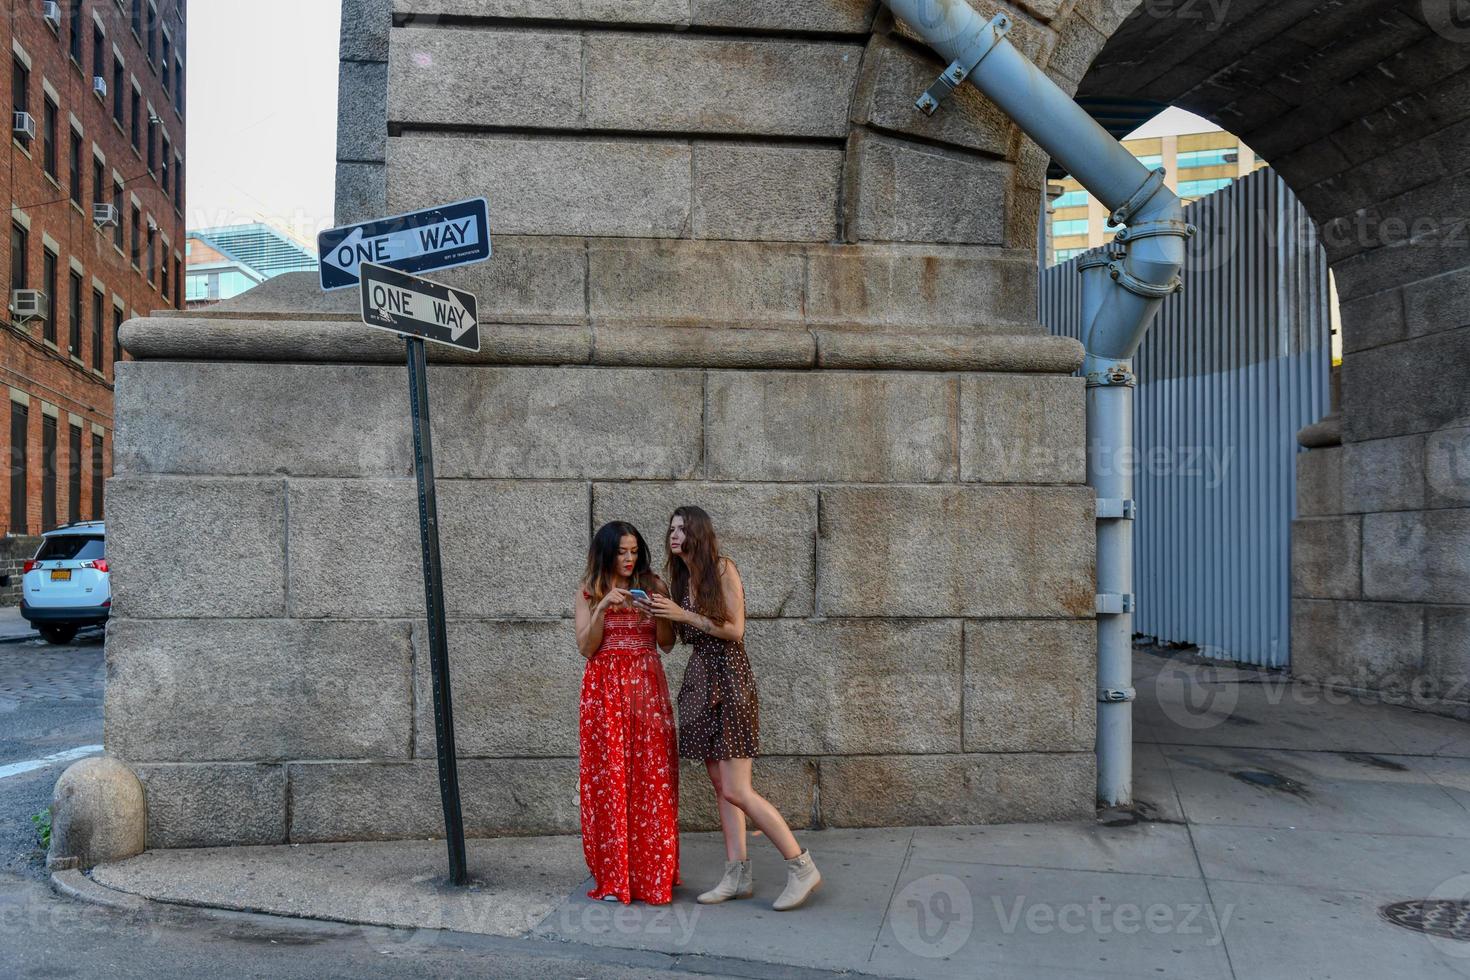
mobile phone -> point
(638, 595)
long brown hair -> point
(696, 571)
(602, 561)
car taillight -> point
(100, 564)
(30, 564)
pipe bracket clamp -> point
(1117, 509)
(1114, 377)
(1140, 197)
(1155, 229)
(1113, 695)
(1115, 604)
(964, 66)
(1148, 290)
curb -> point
(71, 883)
(75, 885)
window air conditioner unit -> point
(51, 13)
(27, 305)
(25, 126)
(104, 215)
(99, 86)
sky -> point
(262, 113)
(1173, 121)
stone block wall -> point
(917, 546)
(15, 550)
(700, 161)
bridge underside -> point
(1364, 109)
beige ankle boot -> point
(802, 878)
(737, 883)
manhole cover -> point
(1445, 918)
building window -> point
(19, 239)
(75, 20)
(99, 49)
(137, 120)
(76, 168)
(49, 263)
(99, 178)
(1199, 188)
(117, 205)
(178, 284)
(98, 302)
(74, 475)
(20, 86)
(117, 322)
(163, 274)
(98, 464)
(1068, 254)
(152, 149)
(179, 184)
(1071, 199)
(179, 86)
(152, 256)
(1063, 228)
(1151, 162)
(48, 138)
(1195, 159)
(117, 91)
(48, 472)
(137, 242)
(137, 19)
(19, 471)
(153, 35)
(74, 305)
(168, 46)
(163, 163)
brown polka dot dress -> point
(719, 709)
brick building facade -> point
(102, 83)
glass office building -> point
(225, 262)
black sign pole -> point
(423, 461)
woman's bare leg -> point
(732, 818)
(736, 791)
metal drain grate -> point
(1442, 917)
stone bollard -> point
(97, 815)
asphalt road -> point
(50, 702)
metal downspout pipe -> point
(1122, 291)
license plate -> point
(61, 575)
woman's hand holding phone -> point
(662, 607)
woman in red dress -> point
(629, 787)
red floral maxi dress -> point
(629, 786)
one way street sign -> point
(423, 241)
(407, 304)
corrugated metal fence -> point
(1231, 369)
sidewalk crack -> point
(903, 866)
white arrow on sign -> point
(391, 301)
(407, 244)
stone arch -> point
(1364, 110)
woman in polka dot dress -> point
(629, 768)
(719, 708)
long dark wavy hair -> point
(602, 562)
(696, 572)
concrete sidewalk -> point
(1277, 821)
(14, 628)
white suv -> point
(68, 584)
